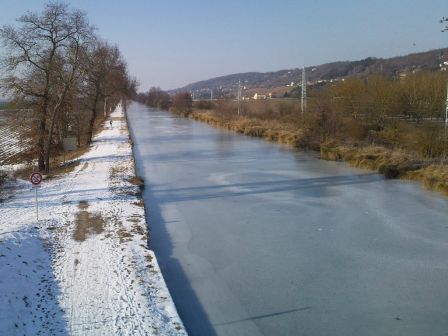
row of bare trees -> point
(181, 103)
(155, 97)
(54, 63)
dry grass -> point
(140, 203)
(61, 164)
(137, 181)
(124, 236)
(268, 129)
(370, 157)
(86, 223)
(392, 163)
(434, 177)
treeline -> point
(406, 113)
(56, 65)
(415, 97)
(181, 103)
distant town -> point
(287, 83)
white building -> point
(259, 96)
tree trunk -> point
(53, 121)
(91, 124)
(92, 119)
(50, 135)
(41, 138)
(78, 131)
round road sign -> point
(36, 178)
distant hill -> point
(428, 60)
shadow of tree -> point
(258, 317)
(262, 187)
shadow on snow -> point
(28, 290)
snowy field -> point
(11, 143)
(83, 268)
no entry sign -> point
(36, 178)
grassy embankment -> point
(399, 150)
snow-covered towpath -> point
(84, 268)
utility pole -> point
(211, 94)
(446, 110)
(303, 96)
(239, 96)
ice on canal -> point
(257, 239)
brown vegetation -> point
(434, 177)
(182, 104)
(62, 162)
(393, 126)
(155, 97)
(86, 223)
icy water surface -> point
(257, 239)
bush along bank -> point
(391, 163)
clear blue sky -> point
(175, 42)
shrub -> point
(204, 105)
(225, 108)
(182, 103)
(356, 130)
(431, 141)
(324, 120)
(286, 108)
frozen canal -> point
(257, 239)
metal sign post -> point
(36, 179)
(37, 205)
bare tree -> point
(95, 79)
(106, 79)
(42, 61)
(54, 62)
(69, 69)
(156, 97)
(182, 103)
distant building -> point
(259, 96)
(443, 66)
